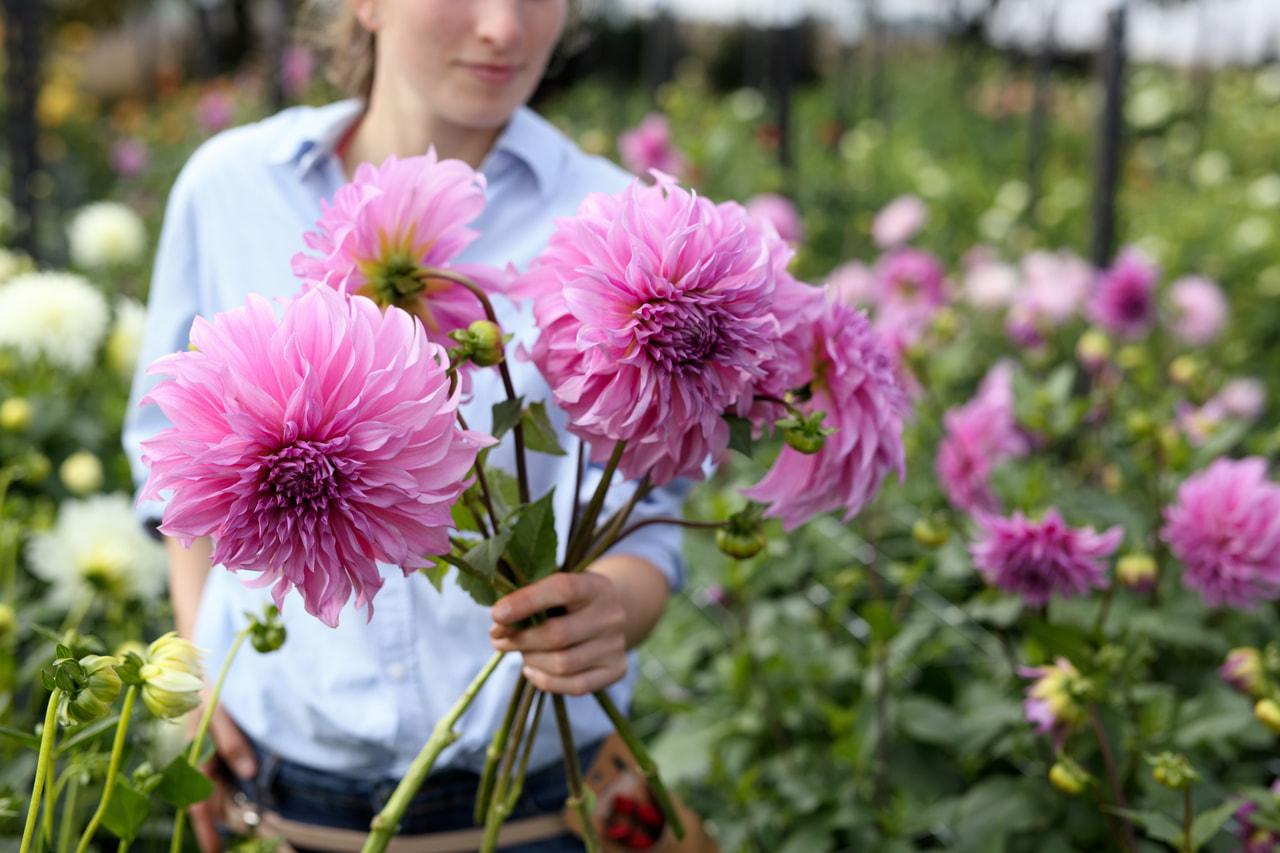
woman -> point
(321, 730)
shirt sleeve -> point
(172, 305)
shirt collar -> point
(528, 139)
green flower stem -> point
(68, 812)
(117, 751)
(1117, 792)
(206, 717)
(647, 766)
(522, 474)
(577, 796)
(1187, 816)
(499, 802)
(77, 612)
(42, 768)
(610, 533)
(586, 524)
(645, 522)
(493, 754)
(384, 824)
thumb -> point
(232, 745)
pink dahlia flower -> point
(659, 311)
(780, 212)
(649, 147)
(1255, 838)
(1225, 528)
(979, 436)
(391, 228)
(910, 280)
(1245, 399)
(852, 381)
(853, 283)
(1055, 286)
(1245, 671)
(898, 221)
(311, 447)
(1200, 310)
(1054, 697)
(216, 108)
(1037, 559)
(1124, 301)
(129, 157)
(297, 67)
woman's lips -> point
(492, 74)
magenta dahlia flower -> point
(1253, 837)
(311, 447)
(1200, 310)
(649, 147)
(1225, 528)
(852, 380)
(390, 228)
(979, 436)
(780, 212)
(910, 280)
(898, 221)
(1038, 559)
(657, 314)
(1125, 299)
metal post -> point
(22, 45)
(1039, 112)
(783, 41)
(1107, 154)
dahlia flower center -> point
(679, 334)
(1134, 306)
(300, 475)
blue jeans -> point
(445, 802)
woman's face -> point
(463, 63)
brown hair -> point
(346, 49)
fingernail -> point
(502, 613)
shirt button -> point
(396, 671)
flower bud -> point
(741, 543)
(1093, 349)
(91, 698)
(268, 633)
(1243, 670)
(929, 534)
(1183, 370)
(16, 414)
(481, 343)
(1137, 572)
(1140, 424)
(1173, 770)
(33, 467)
(805, 434)
(1131, 357)
(8, 622)
(1268, 713)
(1069, 777)
(171, 677)
(81, 473)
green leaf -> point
(84, 734)
(1158, 825)
(127, 810)
(436, 574)
(25, 738)
(506, 414)
(532, 549)
(879, 615)
(1209, 823)
(181, 784)
(739, 434)
(539, 434)
(504, 491)
(482, 561)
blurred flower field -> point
(1058, 633)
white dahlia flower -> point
(57, 315)
(106, 234)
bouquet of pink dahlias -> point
(314, 447)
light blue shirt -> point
(362, 698)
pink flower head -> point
(910, 280)
(853, 283)
(1124, 301)
(1036, 559)
(1244, 670)
(1254, 838)
(1053, 703)
(215, 109)
(979, 436)
(1198, 423)
(391, 228)
(1242, 398)
(1200, 310)
(129, 157)
(311, 447)
(1054, 287)
(851, 379)
(659, 311)
(779, 212)
(649, 147)
(991, 286)
(1225, 528)
(898, 221)
(297, 66)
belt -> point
(244, 818)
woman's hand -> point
(606, 610)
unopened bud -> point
(1183, 370)
(1137, 572)
(929, 534)
(742, 535)
(1243, 670)
(91, 697)
(1093, 349)
(81, 473)
(1268, 713)
(1173, 770)
(171, 677)
(805, 434)
(33, 467)
(1131, 357)
(16, 414)
(1140, 424)
(268, 633)
(481, 343)
(1069, 777)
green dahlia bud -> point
(1069, 777)
(742, 535)
(267, 633)
(16, 414)
(1268, 713)
(171, 677)
(1137, 572)
(805, 434)
(929, 534)
(91, 698)
(1173, 770)
(1243, 670)
(81, 473)
(481, 343)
